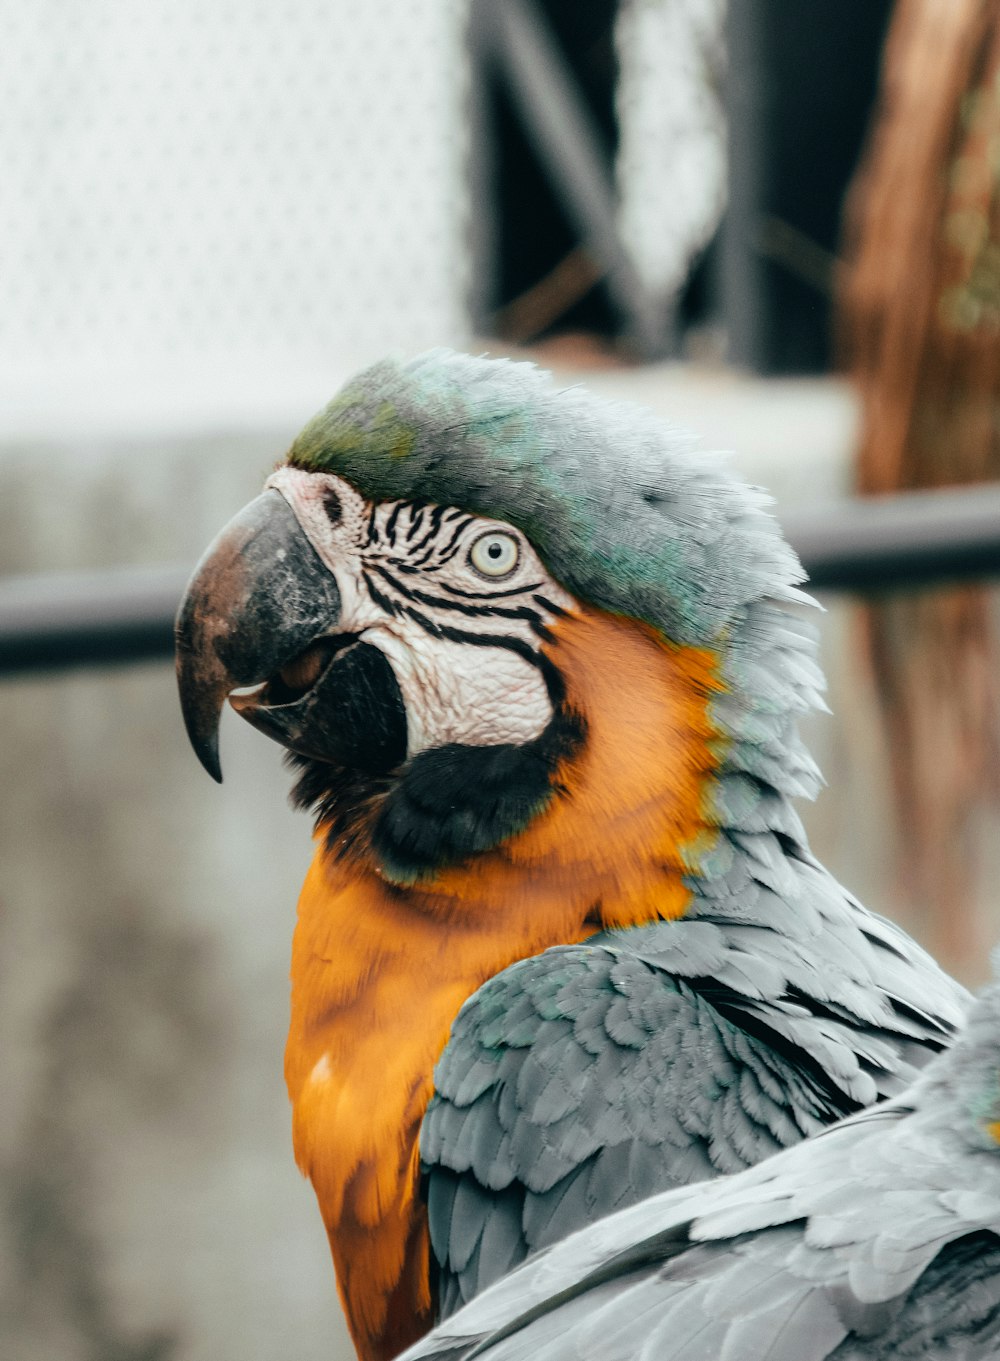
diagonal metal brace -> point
(514, 38)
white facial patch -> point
(458, 604)
(455, 692)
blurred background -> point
(777, 224)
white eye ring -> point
(495, 554)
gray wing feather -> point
(843, 1247)
(952, 1314)
(631, 1082)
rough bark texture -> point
(921, 307)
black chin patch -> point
(457, 801)
(440, 808)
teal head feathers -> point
(622, 509)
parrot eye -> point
(495, 554)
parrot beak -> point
(261, 607)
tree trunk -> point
(921, 325)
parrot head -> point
(394, 607)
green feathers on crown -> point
(622, 509)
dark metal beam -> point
(59, 620)
(123, 615)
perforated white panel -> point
(242, 175)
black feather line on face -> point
(390, 527)
(416, 520)
(549, 606)
(485, 610)
(452, 546)
(393, 608)
(495, 595)
(428, 538)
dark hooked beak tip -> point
(201, 706)
(257, 599)
(208, 754)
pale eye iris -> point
(495, 555)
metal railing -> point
(125, 615)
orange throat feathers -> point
(379, 972)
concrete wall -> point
(150, 1207)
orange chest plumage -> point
(379, 972)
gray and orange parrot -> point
(563, 944)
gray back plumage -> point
(878, 1238)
